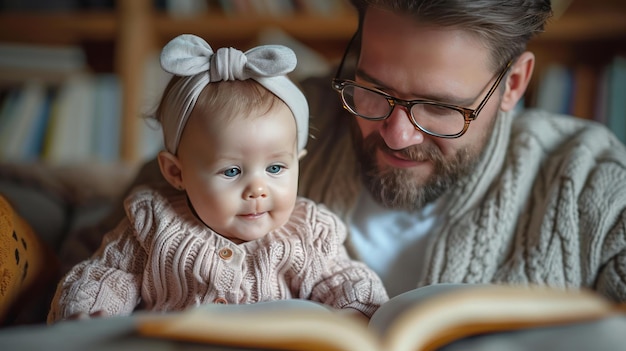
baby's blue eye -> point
(232, 172)
(274, 169)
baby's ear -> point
(170, 169)
(301, 154)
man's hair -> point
(504, 26)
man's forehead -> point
(432, 71)
(408, 36)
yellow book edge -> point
(423, 324)
(490, 309)
(275, 330)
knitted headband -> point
(191, 57)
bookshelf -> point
(136, 29)
(580, 44)
(591, 32)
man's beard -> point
(398, 188)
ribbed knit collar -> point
(472, 188)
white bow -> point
(191, 57)
(188, 55)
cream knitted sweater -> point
(546, 205)
(162, 257)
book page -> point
(273, 325)
(385, 316)
(432, 316)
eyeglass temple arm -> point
(493, 89)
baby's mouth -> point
(254, 215)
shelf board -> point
(241, 28)
(63, 28)
(572, 27)
(76, 27)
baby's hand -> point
(85, 315)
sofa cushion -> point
(26, 263)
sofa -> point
(50, 218)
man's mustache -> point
(417, 153)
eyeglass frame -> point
(469, 115)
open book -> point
(423, 319)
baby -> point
(228, 226)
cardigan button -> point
(220, 301)
(226, 253)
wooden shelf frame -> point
(57, 28)
(137, 30)
(576, 27)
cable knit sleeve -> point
(109, 281)
(573, 233)
(604, 228)
(612, 278)
(337, 280)
(584, 222)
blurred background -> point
(76, 76)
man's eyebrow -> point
(442, 98)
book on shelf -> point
(24, 122)
(554, 90)
(68, 137)
(585, 85)
(423, 319)
(74, 121)
(107, 113)
(602, 96)
(324, 8)
(616, 99)
(185, 8)
(23, 61)
(7, 114)
(34, 143)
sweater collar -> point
(472, 188)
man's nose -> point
(398, 131)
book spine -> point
(616, 110)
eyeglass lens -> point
(431, 117)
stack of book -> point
(587, 92)
(53, 109)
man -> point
(438, 177)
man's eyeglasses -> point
(431, 117)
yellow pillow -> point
(26, 263)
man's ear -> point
(171, 170)
(517, 80)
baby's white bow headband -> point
(191, 57)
